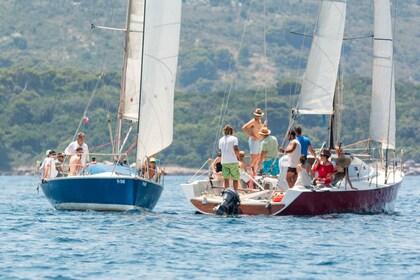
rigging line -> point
(265, 62)
(228, 89)
(101, 76)
(295, 99)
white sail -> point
(130, 90)
(382, 116)
(317, 93)
(161, 45)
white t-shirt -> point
(294, 157)
(226, 144)
(71, 150)
(52, 172)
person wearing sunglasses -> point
(324, 168)
(49, 170)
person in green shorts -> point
(228, 146)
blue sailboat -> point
(147, 95)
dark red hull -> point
(364, 201)
(319, 203)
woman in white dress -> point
(303, 170)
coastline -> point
(411, 168)
(31, 171)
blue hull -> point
(102, 193)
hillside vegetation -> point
(41, 110)
(51, 60)
(57, 34)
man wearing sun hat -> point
(252, 129)
(269, 151)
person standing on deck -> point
(228, 146)
(269, 151)
(252, 129)
(304, 142)
(80, 142)
(294, 152)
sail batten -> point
(318, 85)
(382, 117)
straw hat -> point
(265, 131)
(258, 112)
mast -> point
(140, 86)
(118, 128)
(382, 118)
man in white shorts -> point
(252, 129)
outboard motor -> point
(230, 203)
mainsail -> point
(382, 116)
(317, 93)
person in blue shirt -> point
(304, 141)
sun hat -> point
(265, 131)
(152, 159)
(258, 112)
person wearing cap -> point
(228, 146)
(80, 142)
(324, 168)
(49, 170)
(59, 164)
(269, 150)
(252, 129)
(76, 162)
(152, 172)
(42, 166)
(293, 152)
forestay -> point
(382, 116)
(317, 93)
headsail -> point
(382, 116)
(130, 89)
(317, 93)
(160, 58)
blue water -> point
(37, 242)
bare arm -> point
(238, 157)
(312, 151)
(291, 148)
(247, 128)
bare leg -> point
(227, 183)
(254, 164)
(235, 185)
(290, 179)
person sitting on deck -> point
(243, 170)
(49, 170)
(152, 172)
(304, 173)
(324, 168)
(342, 167)
(216, 167)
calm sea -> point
(37, 242)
